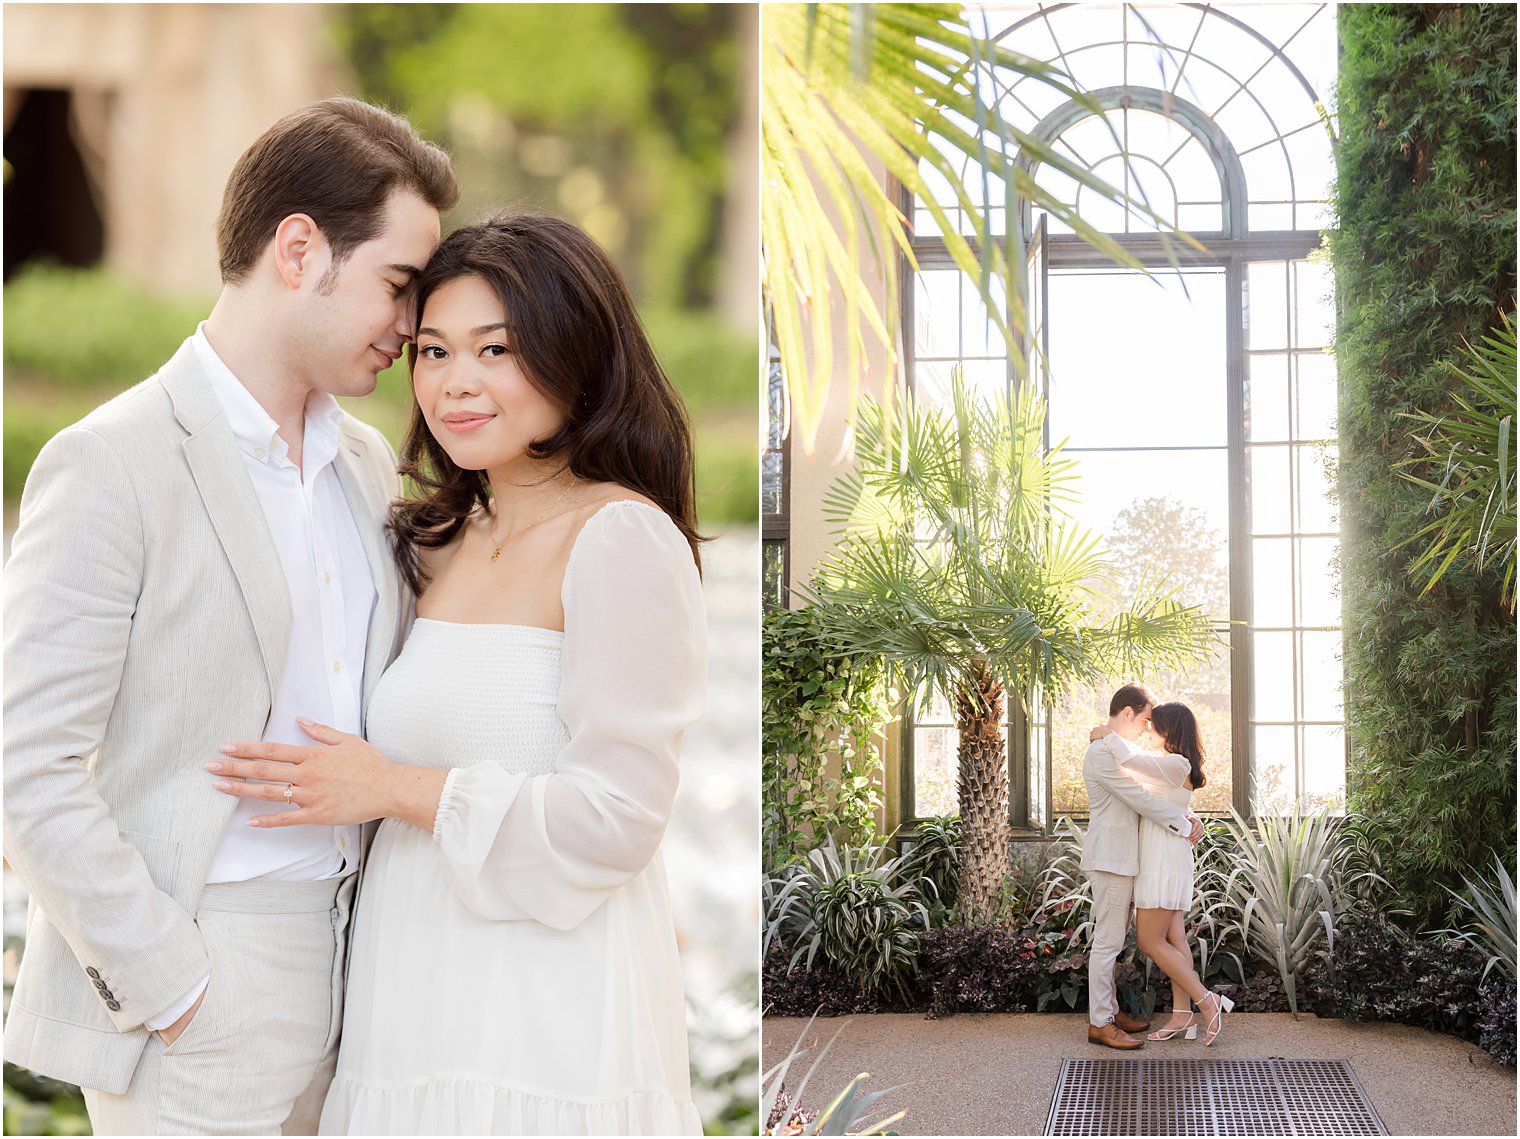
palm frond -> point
(849, 91)
(1474, 495)
(955, 557)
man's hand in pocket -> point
(171, 1034)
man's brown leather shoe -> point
(1131, 1023)
(1110, 1036)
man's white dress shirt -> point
(332, 595)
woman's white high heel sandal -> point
(1189, 1030)
(1222, 1005)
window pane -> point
(936, 313)
(934, 772)
(1248, 125)
(931, 381)
(772, 462)
(1273, 679)
(1271, 215)
(1266, 174)
(772, 573)
(1194, 172)
(1037, 741)
(1073, 718)
(940, 711)
(979, 335)
(1199, 219)
(1266, 305)
(1316, 503)
(1322, 676)
(1275, 765)
(1316, 395)
(1121, 490)
(1272, 582)
(770, 482)
(1313, 163)
(1324, 766)
(1098, 210)
(1267, 398)
(1226, 43)
(1153, 190)
(1155, 337)
(988, 378)
(1213, 716)
(1319, 601)
(1314, 308)
(1270, 491)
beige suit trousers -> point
(1111, 898)
(260, 1051)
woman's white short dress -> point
(1165, 881)
(514, 972)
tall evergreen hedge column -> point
(1424, 256)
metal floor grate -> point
(1210, 1097)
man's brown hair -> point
(336, 161)
(1135, 696)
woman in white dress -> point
(513, 961)
(1164, 885)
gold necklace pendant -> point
(496, 553)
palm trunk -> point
(982, 789)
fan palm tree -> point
(1475, 445)
(910, 87)
(959, 568)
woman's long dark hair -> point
(1178, 729)
(574, 328)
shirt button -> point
(335, 666)
(326, 577)
(259, 453)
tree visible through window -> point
(1199, 396)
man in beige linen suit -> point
(202, 559)
(1110, 857)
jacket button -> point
(99, 984)
(93, 972)
(113, 1006)
(106, 995)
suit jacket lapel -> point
(217, 465)
(369, 502)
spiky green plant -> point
(1492, 904)
(935, 854)
(782, 1113)
(1473, 491)
(1065, 890)
(1289, 886)
(960, 570)
(854, 909)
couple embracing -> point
(1138, 853)
(243, 671)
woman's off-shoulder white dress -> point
(515, 971)
(1165, 881)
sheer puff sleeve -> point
(633, 677)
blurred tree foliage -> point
(623, 129)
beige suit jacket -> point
(1116, 803)
(146, 623)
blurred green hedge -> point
(76, 337)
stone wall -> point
(165, 98)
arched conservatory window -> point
(1198, 395)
